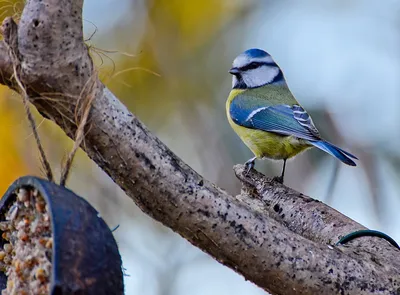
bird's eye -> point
(251, 66)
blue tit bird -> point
(266, 116)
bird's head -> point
(255, 68)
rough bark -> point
(275, 237)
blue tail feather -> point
(335, 151)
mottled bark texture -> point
(275, 237)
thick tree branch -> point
(6, 67)
(276, 237)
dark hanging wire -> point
(367, 233)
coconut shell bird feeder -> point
(54, 242)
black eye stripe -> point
(251, 66)
(256, 64)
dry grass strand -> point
(82, 110)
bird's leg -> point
(283, 169)
(250, 164)
(280, 178)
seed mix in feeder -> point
(27, 252)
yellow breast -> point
(265, 144)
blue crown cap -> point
(255, 53)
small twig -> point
(332, 182)
(135, 68)
(80, 132)
(37, 127)
(10, 31)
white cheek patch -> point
(234, 81)
(260, 76)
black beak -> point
(234, 71)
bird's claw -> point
(249, 165)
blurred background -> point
(167, 60)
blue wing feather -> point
(278, 119)
(285, 120)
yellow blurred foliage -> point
(196, 21)
(12, 164)
(11, 8)
(175, 41)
